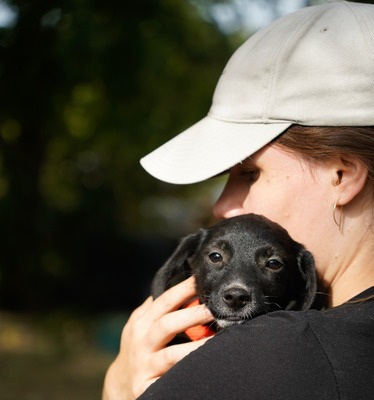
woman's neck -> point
(353, 271)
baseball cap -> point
(314, 67)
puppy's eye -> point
(274, 264)
(215, 257)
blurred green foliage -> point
(87, 88)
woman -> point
(292, 122)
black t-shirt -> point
(282, 355)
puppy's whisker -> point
(212, 324)
(324, 294)
(248, 315)
(273, 303)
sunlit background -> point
(87, 88)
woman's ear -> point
(350, 176)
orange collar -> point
(199, 331)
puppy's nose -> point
(236, 297)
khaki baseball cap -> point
(314, 67)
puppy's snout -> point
(236, 297)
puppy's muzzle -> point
(236, 297)
(232, 305)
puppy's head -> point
(244, 266)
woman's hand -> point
(143, 355)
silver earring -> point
(339, 222)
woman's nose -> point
(230, 202)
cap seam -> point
(252, 121)
(364, 28)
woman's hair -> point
(321, 143)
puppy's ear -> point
(177, 267)
(309, 278)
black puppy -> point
(244, 266)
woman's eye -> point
(274, 264)
(250, 175)
(215, 257)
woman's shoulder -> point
(284, 354)
(332, 347)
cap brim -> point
(208, 148)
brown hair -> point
(320, 143)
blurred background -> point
(87, 87)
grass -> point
(55, 357)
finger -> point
(136, 324)
(143, 318)
(143, 308)
(187, 317)
(173, 298)
(166, 358)
(165, 328)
